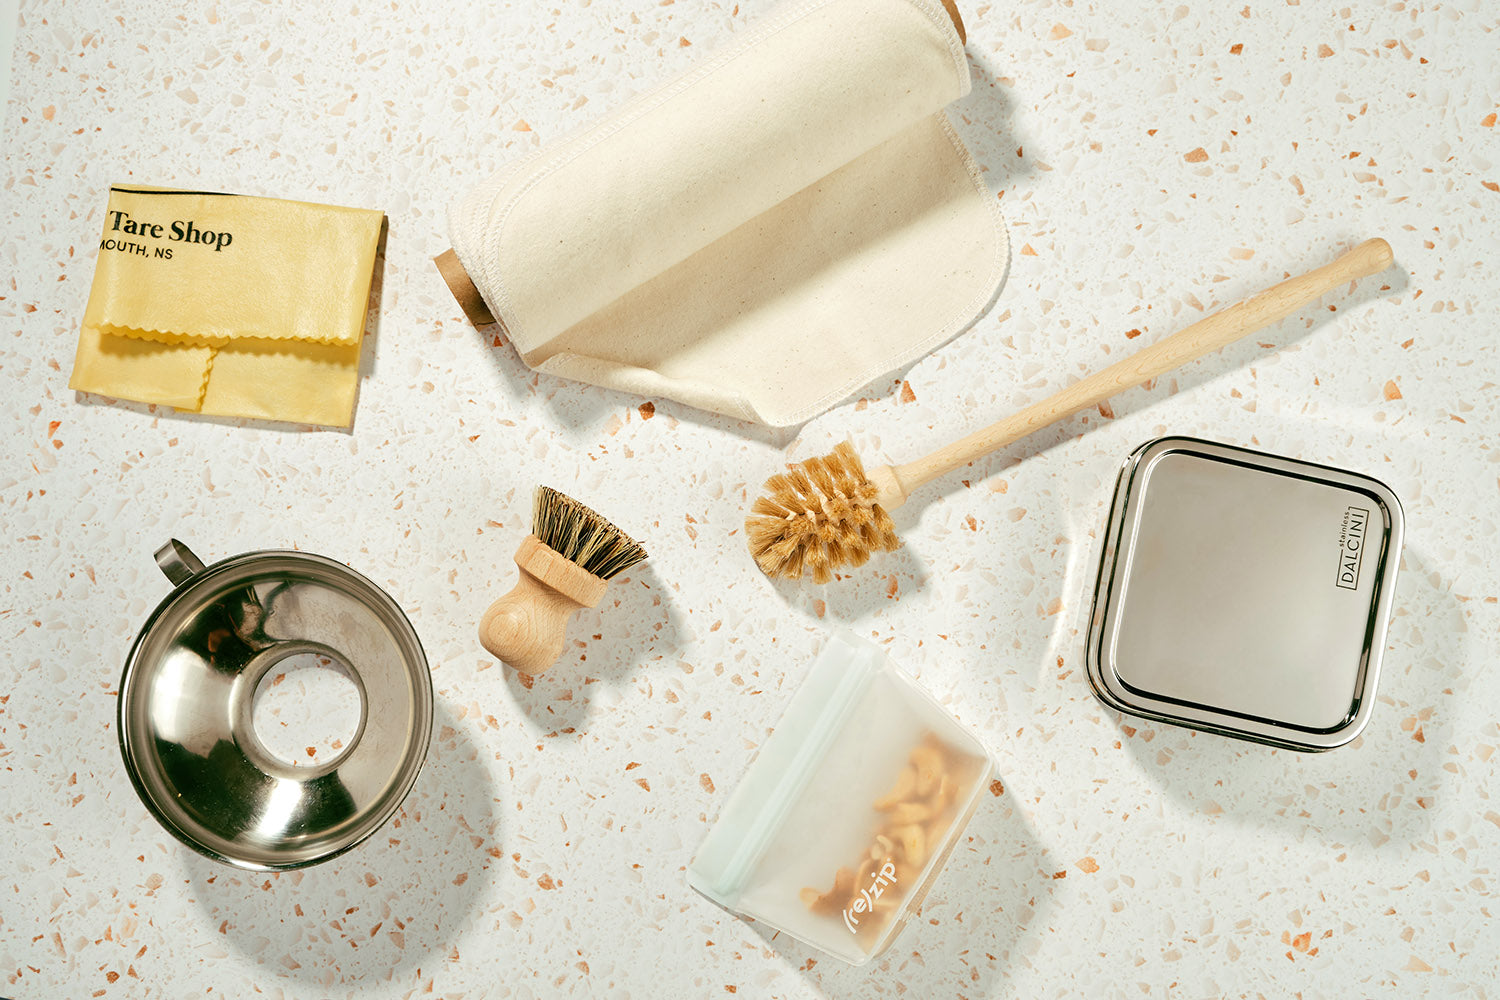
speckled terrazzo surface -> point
(1154, 163)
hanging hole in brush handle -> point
(178, 562)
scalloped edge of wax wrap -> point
(198, 340)
(171, 337)
(180, 337)
(645, 381)
(493, 289)
(284, 346)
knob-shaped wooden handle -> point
(527, 628)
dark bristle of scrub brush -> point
(578, 533)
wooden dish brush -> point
(828, 512)
(565, 563)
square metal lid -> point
(1244, 594)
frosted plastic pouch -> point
(849, 811)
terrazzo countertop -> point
(1154, 163)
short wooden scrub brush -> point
(565, 563)
(829, 512)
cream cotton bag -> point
(761, 236)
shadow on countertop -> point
(390, 904)
(634, 626)
(1383, 788)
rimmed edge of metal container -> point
(187, 574)
(1124, 512)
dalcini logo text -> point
(1352, 546)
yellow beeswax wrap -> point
(229, 305)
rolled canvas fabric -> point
(759, 237)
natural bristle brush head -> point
(579, 534)
(563, 565)
(820, 515)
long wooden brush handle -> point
(1208, 334)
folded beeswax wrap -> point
(761, 236)
(229, 305)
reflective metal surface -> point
(1244, 594)
(189, 686)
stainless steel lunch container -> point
(1244, 594)
(187, 694)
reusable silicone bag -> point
(846, 816)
